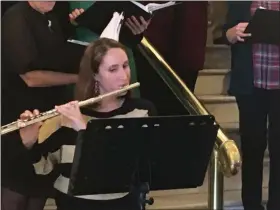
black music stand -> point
(155, 153)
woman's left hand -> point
(135, 26)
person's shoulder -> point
(141, 103)
(16, 9)
(15, 12)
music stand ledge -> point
(170, 152)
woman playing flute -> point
(104, 68)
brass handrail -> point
(229, 156)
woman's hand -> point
(71, 116)
(236, 33)
(135, 26)
(74, 14)
(29, 134)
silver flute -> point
(16, 125)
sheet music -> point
(112, 30)
(151, 7)
(154, 6)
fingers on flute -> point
(36, 112)
(74, 103)
(63, 109)
(26, 115)
(68, 105)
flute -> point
(16, 125)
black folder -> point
(66, 58)
(99, 14)
(264, 27)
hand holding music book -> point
(264, 27)
(97, 16)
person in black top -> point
(36, 69)
(11, 200)
(104, 68)
(32, 77)
(30, 35)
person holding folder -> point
(131, 35)
(255, 82)
(31, 39)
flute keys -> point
(21, 124)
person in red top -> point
(179, 33)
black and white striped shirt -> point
(57, 144)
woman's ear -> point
(95, 77)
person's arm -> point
(20, 53)
(47, 154)
(19, 143)
(61, 130)
(233, 30)
(12, 147)
(53, 143)
(73, 126)
(42, 78)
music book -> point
(98, 15)
(264, 27)
(151, 7)
(112, 30)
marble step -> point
(217, 57)
(223, 107)
(212, 82)
(187, 199)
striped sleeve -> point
(51, 138)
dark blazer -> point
(241, 81)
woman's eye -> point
(125, 66)
(113, 69)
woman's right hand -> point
(71, 116)
(236, 33)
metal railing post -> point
(215, 184)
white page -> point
(140, 5)
(154, 6)
(151, 7)
(74, 41)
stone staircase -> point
(211, 89)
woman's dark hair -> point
(93, 56)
